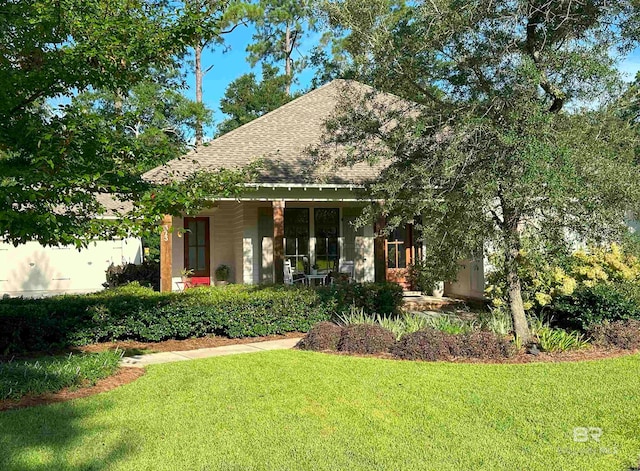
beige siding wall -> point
(470, 282)
(31, 270)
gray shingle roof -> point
(282, 139)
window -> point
(196, 246)
(296, 237)
(327, 230)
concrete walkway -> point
(140, 361)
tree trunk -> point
(514, 286)
(287, 58)
(198, 73)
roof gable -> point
(281, 139)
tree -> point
(56, 159)
(208, 21)
(505, 121)
(247, 99)
(280, 30)
(153, 118)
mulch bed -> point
(121, 377)
(590, 354)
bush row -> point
(426, 344)
(132, 312)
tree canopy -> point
(513, 131)
(56, 152)
(246, 98)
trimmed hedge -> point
(374, 298)
(322, 336)
(366, 338)
(132, 312)
(136, 313)
(432, 345)
(619, 334)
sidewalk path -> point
(140, 361)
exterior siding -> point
(31, 270)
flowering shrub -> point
(543, 282)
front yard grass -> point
(303, 410)
(51, 374)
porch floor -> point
(428, 303)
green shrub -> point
(594, 304)
(322, 336)
(618, 334)
(132, 312)
(46, 375)
(366, 338)
(374, 298)
(559, 340)
(146, 274)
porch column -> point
(278, 241)
(166, 254)
(380, 263)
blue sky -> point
(229, 62)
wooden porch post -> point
(379, 251)
(278, 241)
(166, 253)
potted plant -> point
(222, 274)
(186, 274)
(314, 269)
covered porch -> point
(313, 229)
(254, 238)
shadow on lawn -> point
(44, 438)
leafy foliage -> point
(559, 340)
(618, 334)
(87, 98)
(373, 298)
(591, 305)
(493, 133)
(145, 274)
(322, 336)
(135, 313)
(548, 276)
(246, 99)
(366, 339)
(50, 374)
(432, 344)
(280, 29)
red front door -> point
(197, 250)
(399, 254)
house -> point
(31, 270)
(298, 209)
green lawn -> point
(293, 410)
(51, 374)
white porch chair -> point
(288, 274)
(346, 267)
